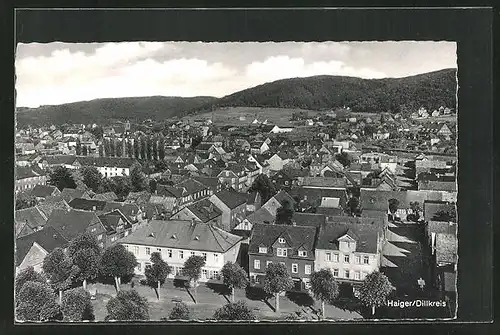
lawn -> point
(211, 297)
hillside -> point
(103, 111)
(431, 90)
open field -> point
(210, 298)
(245, 115)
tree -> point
(25, 201)
(375, 289)
(137, 148)
(416, 209)
(353, 205)
(324, 287)
(180, 312)
(60, 270)
(277, 281)
(157, 272)
(112, 147)
(84, 150)
(128, 306)
(117, 262)
(235, 311)
(129, 149)
(32, 300)
(27, 275)
(192, 269)
(119, 148)
(121, 185)
(61, 177)
(76, 305)
(101, 150)
(343, 158)
(161, 148)
(152, 185)
(234, 276)
(446, 215)
(143, 147)
(137, 178)
(149, 149)
(284, 214)
(91, 177)
(78, 149)
(85, 253)
(393, 205)
(264, 186)
(154, 149)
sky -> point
(57, 73)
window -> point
(335, 272)
(282, 252)
(281, 240)
(357, 260)
(366, 260)
(307, 269)
(216, 258)
(295, 268)
(267, 263)
(262, 250)
(99, 237)
(346, 258)
(328, 257)
(204, 254)
(148, 251)
(139, 267)
(192, 253)
(181, 254)
(302, 253)
(136, 250)
(93, 230)
(169, 253)
(204, 273)
(286, 182)
(356, 275)
(346, 273)
(216, 274)
(335, 257)
(256, 264)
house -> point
(132, 212)
(253, 201)
(200, 211)
(74, 222)
(232, 205)
(445, 131)
(278, 130)
(107, 166)
(349, 250)
(107, 196)
(29, 220)
(52, 203)
(259, 147)
(288, 177)
(88, 204)
(40, 192)
(52, 161)
(314, 197)
(278, 200)
(168, 197)
(278, 161)
(117, 225)
(445, 259)
(32, 249)
(192, 190)
(234, 177)
(290, 245)
(176, 241)
(69, 194)
(28, 177)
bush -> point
(180, 312)
(76, 305)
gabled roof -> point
(183, 235)
(208, 181)
(139, 198)
(107, 196)
(204, 210)
(169, 191)
(325, 182)
(283, 196)
(87, 204)
(71, 223)
(118, 162)
(69, 194)
(23, 172)
(50, 204)
(191, 186)
(365, 235)
(111, 219)
(231, 199)
(59, 159)
(371, 199)
(33, 216)
(262, 215)
(48, 238)
(42, 191)
(127, 209)
(297, 237)
(308, 219)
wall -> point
(321, 263)
(34, 257)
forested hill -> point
(104, 111)
(430, 90)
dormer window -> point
(262, 250)
(281, 240)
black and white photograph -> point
(236, 181)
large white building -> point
(176, 241)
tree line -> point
(151, 148)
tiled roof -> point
(262, 215)
(183, 235)
(111, 219)
(118, 162)
(324, 182)
(50, 204)
(43, 191)
(191, 186)
(87, 204)
(69, 194)
(127, 209)
(107, 196)
(33, 216)
(308, 219)
(366, 236)
(297, 237)
(205, 210)
(139, 198)
(318, 193)
(232, 199)
(169, 191)
(439, 227)
(71, 223)
(283, 196)
(59, 159)
(48, 238)
(448, 186)
(23, 172)
(371, 199)
(446, 248)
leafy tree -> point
(235, 311)
(446, 215)
(344, 159)
(180, 312)
(117, 262)
(234, 276)
(128, 306)
(277, 281)
(143, 147)
(91, 177)
(149, 149)
(112, 147)
(137, 148)
(138, 179)
(192, 269)
(78, 149)
(196, 140)
(152, 185)
(161, 148)
(129, 149)
(119, 148)
(264, 186)
(154, 149)
(51, 311)
(61, 177)
(121, 185)
(375, 289)
(101, 150)
(25, 201)
(85, 253)
(324, 287)
(60, 270)
(27, 275)
(157, 272)
(32, 299)
(85, 150)
(393, 205)
(76, 305)
(284, 214)
(415, 207)
(353, 205)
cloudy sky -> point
(57, 73)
